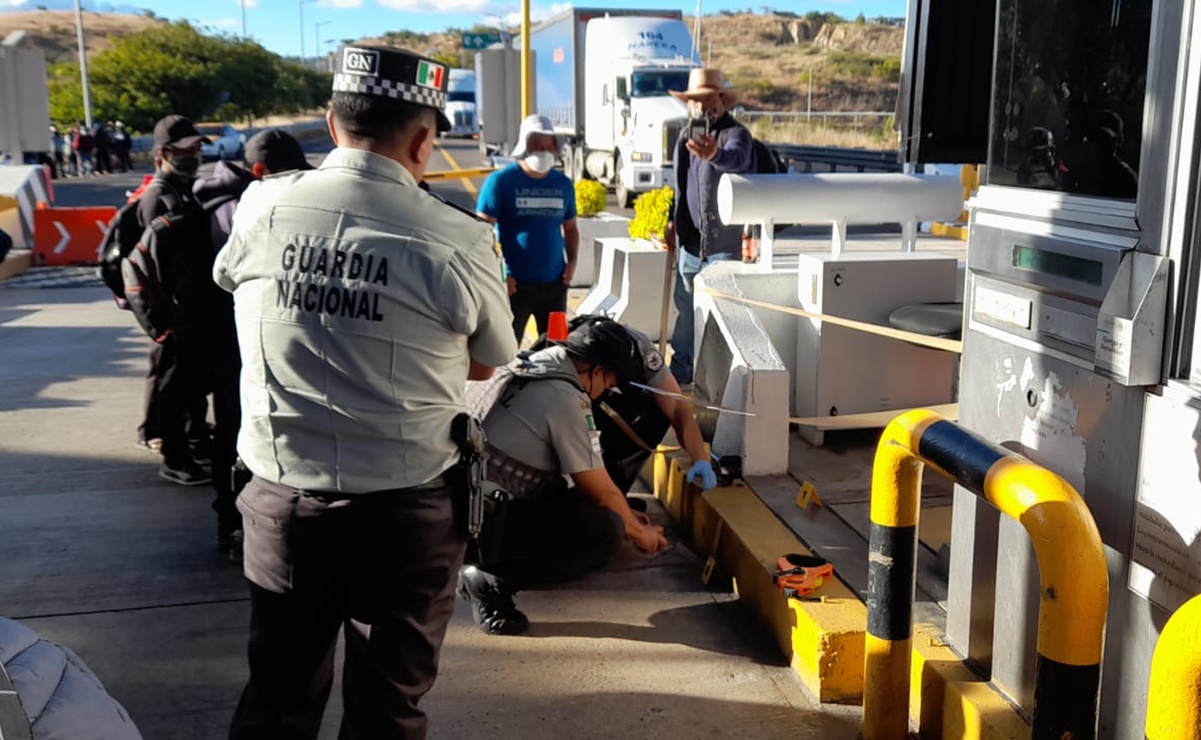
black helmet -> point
(603, 341)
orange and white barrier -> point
(69, 236)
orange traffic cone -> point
(556, 328)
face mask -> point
(540, 162)
(186, 166)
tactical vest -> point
(519, 479)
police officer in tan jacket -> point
(363, 305)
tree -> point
(173, 68)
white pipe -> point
(828, 197)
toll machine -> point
(1080, 304)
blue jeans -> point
(687, 268)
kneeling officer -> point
(540, 431)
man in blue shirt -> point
(533, 208)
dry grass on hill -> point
(54, 30)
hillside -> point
(54, 30)
(854, 66)
(778, 62)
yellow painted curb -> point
(956, 231)
(934, 665)
(823, 640)
(975, 711)
(15, 262)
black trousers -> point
(196, 425)
(549, 539)
(381, 567)
(189, 368)
(539, 300)
(221, 374)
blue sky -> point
(277, 23)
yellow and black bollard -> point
(1072, 571)
(1174, 698)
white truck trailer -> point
(603, 78)
(24, 102)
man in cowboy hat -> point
(701, 160)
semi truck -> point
(603, 78)
(460, 103)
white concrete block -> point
(738, 367)
(602, 225)
(629, 285)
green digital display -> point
(1059, 265)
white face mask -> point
(540, 162)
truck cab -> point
(603, 78)
(460, 103)
(631, 121)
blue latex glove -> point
(703, 470)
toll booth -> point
(1080, 319)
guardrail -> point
(802, 158)
(750, 116)
(301, 130)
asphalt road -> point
(450, 154)
(110, 189)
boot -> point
(491, 602)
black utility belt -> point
(436, 483)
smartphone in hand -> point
(698, 127)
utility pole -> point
(696, 31)
(83, 66)
(525, 60)
(317, 37)
(300, 5)
(242, 5)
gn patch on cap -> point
(392, 73)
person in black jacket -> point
(180, 350)
(694, 225)
(268, 152)
(122, 142)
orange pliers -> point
(797, 575)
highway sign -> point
(472, 41)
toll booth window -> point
(1070, 82)
(658, 84)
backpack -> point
(767, 162)
(119, 240)
(149, 270)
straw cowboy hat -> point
(703, 81)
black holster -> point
(467, 432)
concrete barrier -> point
(629, 285)
(601, 226)
(739, 364)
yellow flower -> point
(590, 197)
(651, 213)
